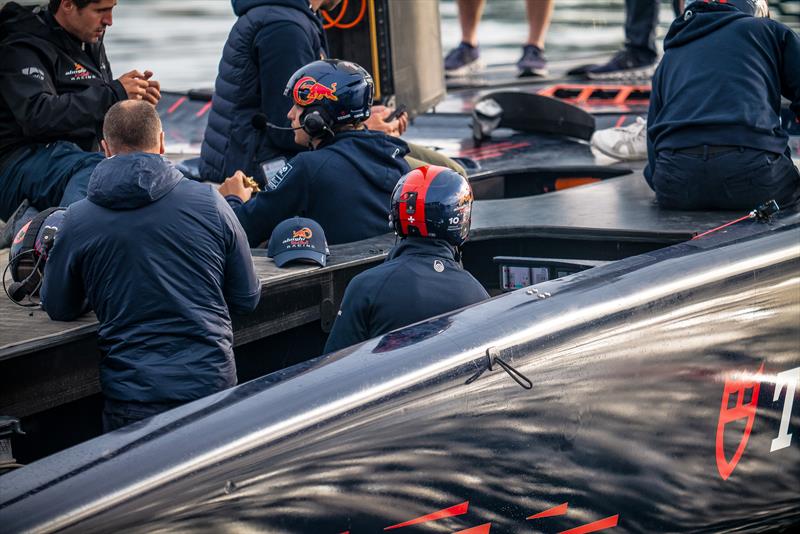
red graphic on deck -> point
(458, 509)
(491, 150)
(602, 524)
(561, 509)
(736, 388)
(480, 529)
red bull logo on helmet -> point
(307, 91)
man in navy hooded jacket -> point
(345, 181)
(715, 139)
(161, 259)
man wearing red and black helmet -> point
(344, 182)
(431, 210)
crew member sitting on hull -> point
(715, 139)
(55, 87)
(422, 277)
(161, 260)
(345, 181)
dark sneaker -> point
(14, 224)
(625, 65)
(463, 59)
(532, 62)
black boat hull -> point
(664, 390)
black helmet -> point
(333, 92)
(28, 253)
(433, 202)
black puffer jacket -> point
(270, 40)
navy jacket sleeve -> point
(790, 69)
(40, 110)
(242, 288)
(63, 293)
(262, 213)
(352, 322)
(281, 50)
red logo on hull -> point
(736, 388)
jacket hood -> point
(23, 22)
(386, 155)
(17, 19)
(699, 20)
(240, 7)
(131, 181)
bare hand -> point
(153, 88)
(138, 86)
(236, 186)
(394, 127)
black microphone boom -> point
(260, 122)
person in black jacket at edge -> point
(422, 277)
(161, 260)
(344, 182)
(715, 139)
(55, 87)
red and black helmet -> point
(432, 202)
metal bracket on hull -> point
(492, 358)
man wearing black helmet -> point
(344, 182)
(422, 277)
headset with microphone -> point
(28, 254)
(312, 121)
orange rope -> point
(335, 23)
(331, 22)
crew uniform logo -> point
(300, 239)
(307, 91)
(79, 72)
(33, 72)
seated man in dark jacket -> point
(422, 277)
(345, 181)
(715, 139)
(161, 259)
(55, 87)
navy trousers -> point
(736, 179)
(55, 174)
(641, 21)
(118, 414)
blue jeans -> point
(55, 174)
(118, 414)
(736, 179)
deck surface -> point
(620, 207)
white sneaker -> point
(626, 144)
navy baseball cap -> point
(298, 239)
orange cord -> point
(331, 22)
(335, 23)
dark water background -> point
(181, 40)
